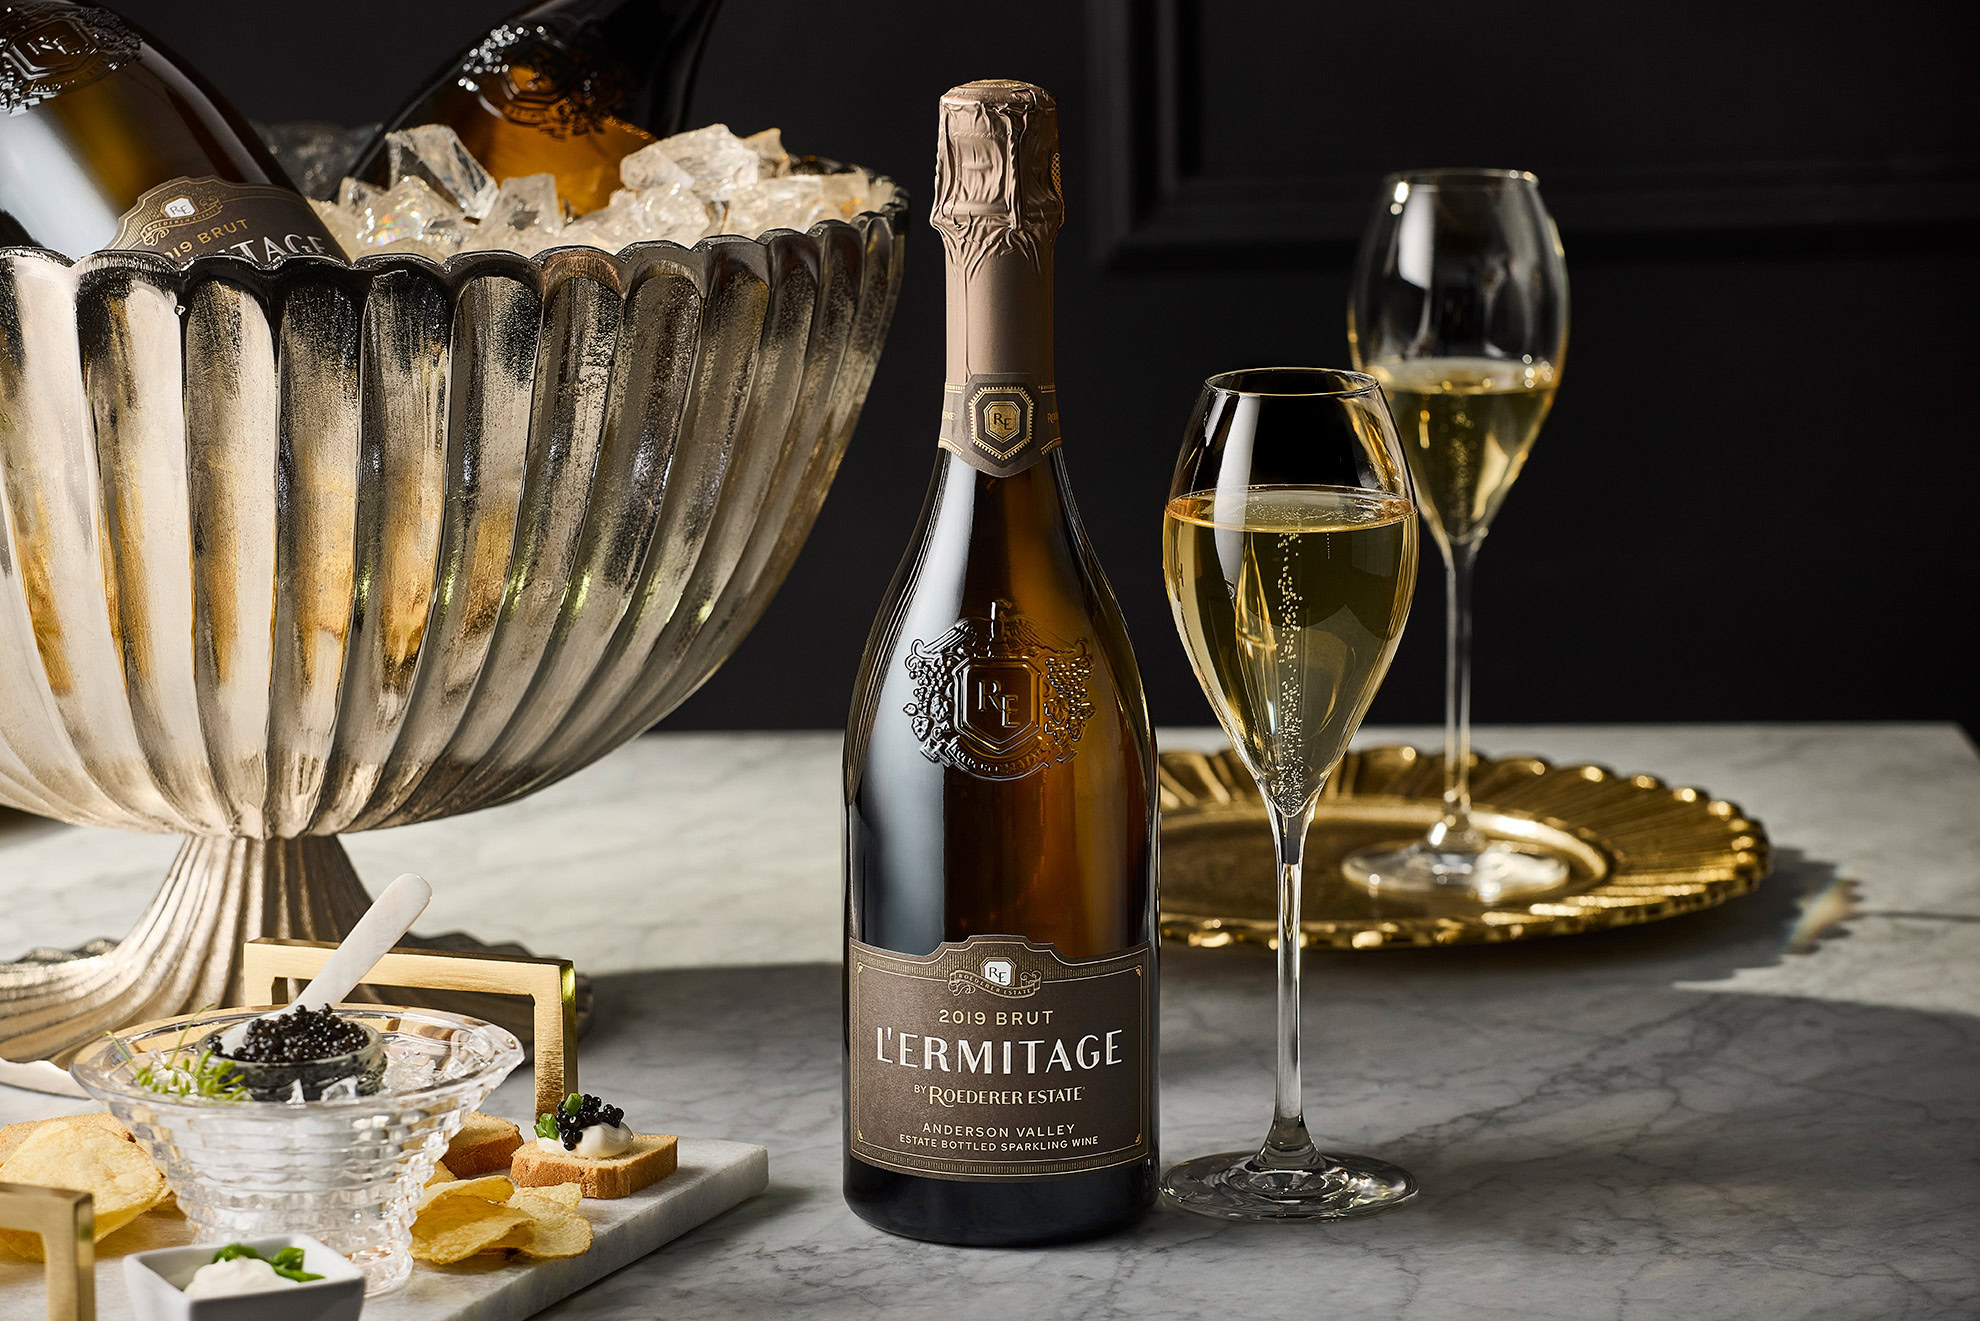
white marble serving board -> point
(713, 1177)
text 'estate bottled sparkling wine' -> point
(1000, 790)
(108, 141)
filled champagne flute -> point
(1460, 309)
(1289, 545)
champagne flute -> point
(1289, 545)
(1460, 309)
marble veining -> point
(1771, 1109)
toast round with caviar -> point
(651, 1158)
(586, 1142)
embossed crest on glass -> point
(1460, 308)
(295, 552)
(1289, 546)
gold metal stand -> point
(66, 1222)
(551, 984)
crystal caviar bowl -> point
(345, 1170)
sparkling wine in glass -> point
(1460, 309)
(1289, 546)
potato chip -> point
(455, 1228)
(12, 1135)
(441, 1174)
(566, 1195)
(493, 1188)
(84, 1156)
(551, 1232)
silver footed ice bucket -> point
(290, 553)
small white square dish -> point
(157, 1281)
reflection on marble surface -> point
(1684, 1120)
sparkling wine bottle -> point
(1000, 780)
(565, 87)
(109, 141)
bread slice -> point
(483, 1146)
(651, 1158)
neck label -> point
(1000, 423)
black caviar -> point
(297, 1037)
(572, 1120)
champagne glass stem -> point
(1288, 1145)
(1455, 833)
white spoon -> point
(384, 924)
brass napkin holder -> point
(551, 984)
(66, 1222)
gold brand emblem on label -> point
(1000, 420)
(998, 697)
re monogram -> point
(998, 697)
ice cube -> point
(717, 159)
(527, 217)
(652, 167)
(677, 214)
(411, 210)
(845, 193)
(624, 221)
(773, 162)
(344, 223)
(437, 247)
(436, 154)
(344, 1089)
(356, 192)
(295, 1093)
(794, 203)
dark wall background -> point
(1754, 499)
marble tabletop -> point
(1771, 1109)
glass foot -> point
(1234, 1186)
(1494, 873)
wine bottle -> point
(565, 87)
(1000, 782)
(109, 141)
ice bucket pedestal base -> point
(184, 954)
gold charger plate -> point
(1637, 850)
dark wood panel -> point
(1226, 127)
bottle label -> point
(47, 49)
(997, 1059)
(187, 218)
(1000, 422)
(999, 697)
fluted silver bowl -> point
(328, 548)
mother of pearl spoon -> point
(384, 924)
